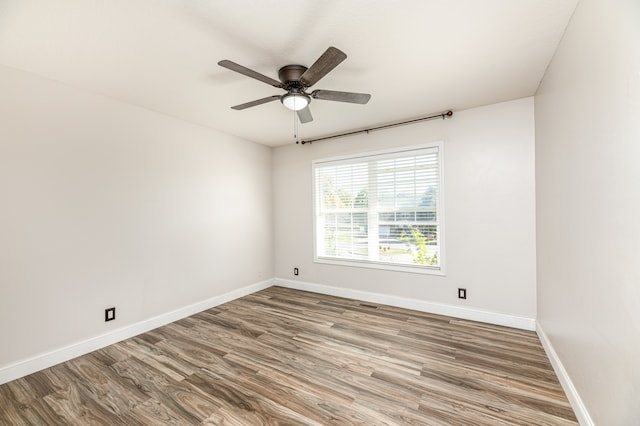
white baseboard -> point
(417, 305)
(56, 356)
(567, 385)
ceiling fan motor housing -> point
(290, 75)
(295, 99)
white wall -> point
(105, 204)
(489, 199)
(587, 114)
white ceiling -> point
(415, 57)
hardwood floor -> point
(283, 356)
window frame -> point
(388, 266)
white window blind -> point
(380, 208)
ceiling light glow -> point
(295, 101)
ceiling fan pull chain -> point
(295, 127)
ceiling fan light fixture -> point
(295, 101)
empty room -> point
(320, 212)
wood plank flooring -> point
(287, 357)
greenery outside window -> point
(381, 209)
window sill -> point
(438, 271)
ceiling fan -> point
(296, 79)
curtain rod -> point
(386, 126)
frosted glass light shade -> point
(295, 102)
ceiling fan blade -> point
(330, 59)
(249, 73)
(305, 115)
(256, 102)
(332, 95)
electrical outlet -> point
(109, 314)
(462, 293)
(295, 271)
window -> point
(381, 209)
